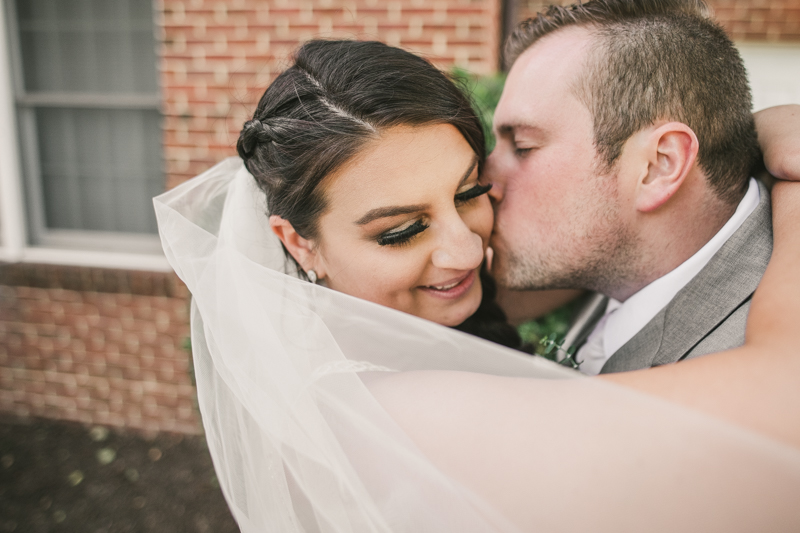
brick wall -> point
(760, 20)
(96, 346)
(218, 57)
(744, 20)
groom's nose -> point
(493, 176)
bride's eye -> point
(402, 236)
(478, 190)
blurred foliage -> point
(187, 346)
(552, 326)
(484, 92)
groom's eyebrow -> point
(395, 210)
(510, 129)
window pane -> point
(90, 169)
(88, 45)
(100, 168)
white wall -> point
(774, 73)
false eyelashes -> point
(478, 190)
(403, 236)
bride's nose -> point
(458, 248)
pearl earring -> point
(312, 276)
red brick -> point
(752, 20)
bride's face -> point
(407, 225)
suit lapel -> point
(641, 350)
(729, 279)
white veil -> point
(300, 444)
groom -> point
(625, 142)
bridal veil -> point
(301, 445)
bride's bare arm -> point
(756, 385)
(779, 136)
(583, 455)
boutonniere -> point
(553, 349)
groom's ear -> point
(300, 248)
(670, 152)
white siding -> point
(774, 73)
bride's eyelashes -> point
(402, 236)
(478, 190)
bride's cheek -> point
(400, 273)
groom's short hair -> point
(659, 60)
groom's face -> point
(557, 209)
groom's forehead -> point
(562, 51)
(549, 70)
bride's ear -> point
(303, 250)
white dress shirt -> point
(623, 320)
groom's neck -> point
(667, 239)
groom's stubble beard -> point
(599, 253)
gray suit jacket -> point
(709, 314)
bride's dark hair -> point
(321, 111)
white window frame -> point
(14, 242)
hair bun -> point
(253, 132)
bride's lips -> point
(453, 288)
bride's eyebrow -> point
(469, 171)
(395, 210)
(390, 211)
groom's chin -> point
(513, 272)
(504, 273)
(510, 270)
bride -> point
(334, 399)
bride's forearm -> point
(772, 322)
(779, 136)
(755, 385)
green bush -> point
(484, 92)
(552, 325)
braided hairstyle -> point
(320, 112)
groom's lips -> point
(452, 289)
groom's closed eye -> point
(522, 137)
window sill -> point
(84, 258)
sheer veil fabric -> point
(300, 443)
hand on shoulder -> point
(779, 136)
